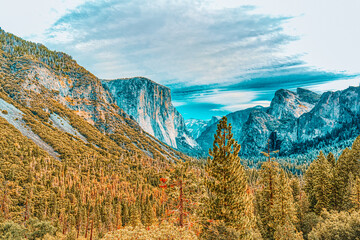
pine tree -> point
(148, 214)
(355, 157)
(266, 194)
(309, 184)
(340, 190)
(265, 198)
(322, 183)
(275, 204)
(229, 199)
(135, 215)
(355, 192)
(284, 211)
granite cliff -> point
(149, 103)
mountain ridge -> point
(295, 118)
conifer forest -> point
(141, 198)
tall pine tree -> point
(229, 198)
(318, 184)
(275, 204)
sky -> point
(215, 56)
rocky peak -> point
(287, 104)
(195, 126)
(308, 96)
(149, 103)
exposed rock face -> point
(334, 110)
(289, 105)
(237, 120)
(82, 92)
(256, 130)
(294, 119)
(196, 126)
(150, 105)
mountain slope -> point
(150, 105)
(334, 110)
(46, 85)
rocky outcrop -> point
(289, 105)
(295, 121)
(150, 105)
(334, 110)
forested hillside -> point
(134, 197)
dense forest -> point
(135, 197)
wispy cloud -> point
(213, 58)
(180, 40)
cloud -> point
(216, 57)
(257, 89)
(31, 19)
(237, 107)
(185, 41)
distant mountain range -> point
(197, 126)
(297, 122)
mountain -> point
(198, 126)
(297, 122)
(289, 105)
(335, 110)
(64, 108)
(237, 120)
(149, 103)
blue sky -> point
(216, 56)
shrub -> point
(163, 231)
(337, 225)
(12, 231)
(40, 229)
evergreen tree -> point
(229, 199)
(331, 159)
(148, 213)
(265, 198)
(309, 185)
(318, 184)
(275, 204)
(322, 187)
(135, 215)
(284, 211)
(340, 190)
(354, 162)
(355, 193)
